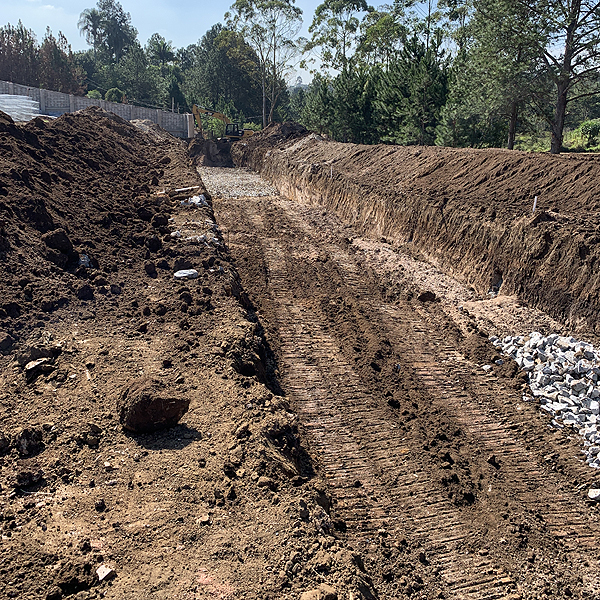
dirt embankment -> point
(469, 211)
(92, 230)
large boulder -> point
(147, 405)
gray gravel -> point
(564, 375)
(223, 182)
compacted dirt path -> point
(446, 480)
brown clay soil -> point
(342, 441)
(467, 211)
(212, 508)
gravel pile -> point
(563, 376)
(235, 183)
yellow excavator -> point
(233, 131)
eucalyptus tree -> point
(271, 29)
(334, 32)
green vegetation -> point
(521, 74)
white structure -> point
(56, 103)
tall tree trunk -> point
(512, 126)
(559, 118)
(264, 99)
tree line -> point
(472, 73)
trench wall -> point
(468, 211)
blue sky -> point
(183, 23)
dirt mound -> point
(96, 217)
(469, 211)
(211, 153)
(251, 152)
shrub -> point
(114, 95)
(589, 130)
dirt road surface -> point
(441, 476)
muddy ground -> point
(342, 440)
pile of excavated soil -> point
(224, 504)
(468, 211)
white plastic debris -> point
(186, 274)
(195, 201)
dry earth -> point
(342, 441)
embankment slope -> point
(468, 211)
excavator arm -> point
(233, 131)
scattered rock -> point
(150, 269)
(323, 592)
(28, 440)
(58, 240)
(6, 341)
(153, 243)
(159, 220)
(146, 406)
(186, 274)
(594, 494)
(85, 292)
(36, 367)
(105, 573)
(204, 519)
(26, 478)
(4, 443)
(266, 482)
(564, 375)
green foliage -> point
(58, 70)
(223, 71)
(334, 30)
(108, 28)
(270, 28)
(114, 95)
(317, 107)
(50, 65)
(411, 94)
(159, 51)
(94, 94)
(589, 131)
(19, 55)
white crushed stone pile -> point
(223, 182)
(563, 375)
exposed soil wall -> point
(469, 211)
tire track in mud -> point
(417, 341)
(353, 433)
(360, 449)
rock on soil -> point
(89, 306)
(323, 592)
(146, 405)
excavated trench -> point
(439, 473)
(471, 212)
